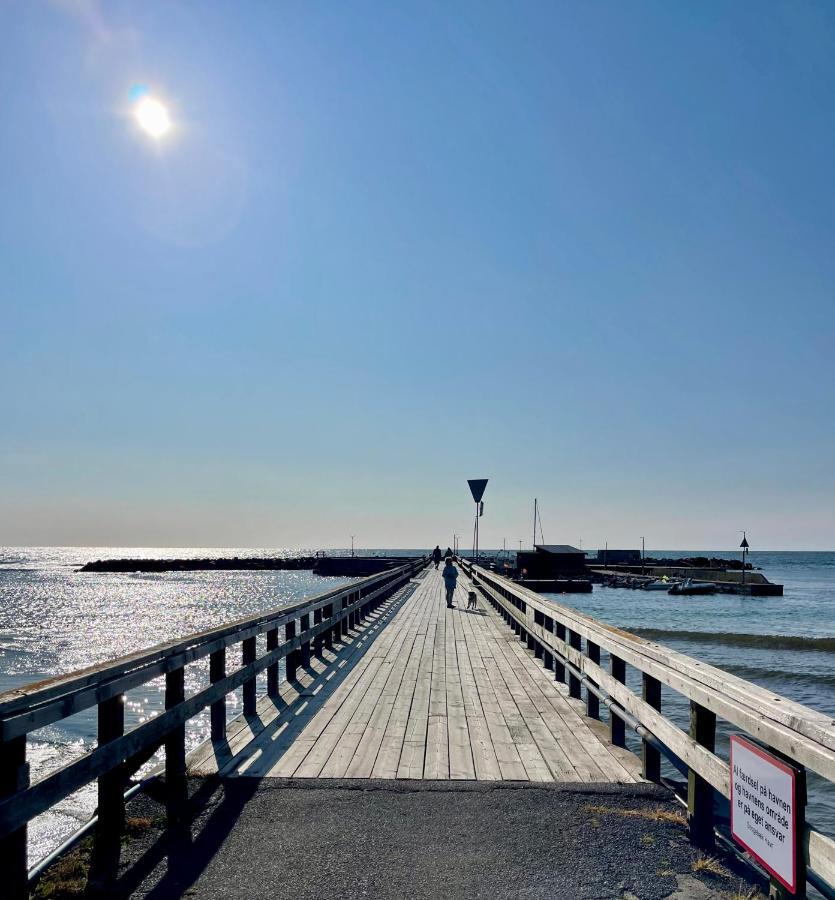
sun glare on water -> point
(152, 117)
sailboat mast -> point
(533, 545)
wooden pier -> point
(427, 692)
(378, 680)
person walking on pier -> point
(436, 555)
(450, 576)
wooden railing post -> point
(318, 641)
(529, 640)
(272, 669)
(111, 801)
(592, 701)
(539, 619)
(176, 784)
(291, 661)
(329, 632)
(217, 711)
(547, 654)
(617, 727)
(304, 650)
(344, 624)
(576, 642)
(650, 756)
(699, 791)
(559, 668)
(14, 777)
(248, 654)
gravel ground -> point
(322, 840)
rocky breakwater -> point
(219, 564)
(698, 562)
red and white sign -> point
(764, 809)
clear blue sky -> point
(583, 249)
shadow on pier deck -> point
(422, 691)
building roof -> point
(558, 548)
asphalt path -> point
(317, 840)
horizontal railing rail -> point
(293, 632)
(557, 634)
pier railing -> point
(570, 643)
(293, 632)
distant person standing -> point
(436, 555)
(450, 576)
(448, 553)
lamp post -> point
(745, 547)
(643, 554)
(352, 545)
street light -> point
(352, 545)
(643, 554)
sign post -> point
(768, 813)
(745, 548)
(477, 486)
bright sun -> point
(152, 117)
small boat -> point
(689, 587)
(660, 584)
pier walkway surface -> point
(425, 692)
(428, 755)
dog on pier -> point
(471, 600)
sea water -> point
(54, 619)
(785, 644)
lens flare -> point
(152, 117)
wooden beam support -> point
(14, 777)
(292, 660)
(176, 783)
(344, 624)
(617, 727)
(547, 653)
(559, 668)
(111, 803)
(304, 650)
(329, 634)
(272, 671)
(592, 701)
(318, 641)
(651, 756)
(248, 654)
(217, 672)
(699, 791)
(576, 643)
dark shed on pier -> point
(552, 561)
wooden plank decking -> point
(420, 691)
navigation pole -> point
(477, 486)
